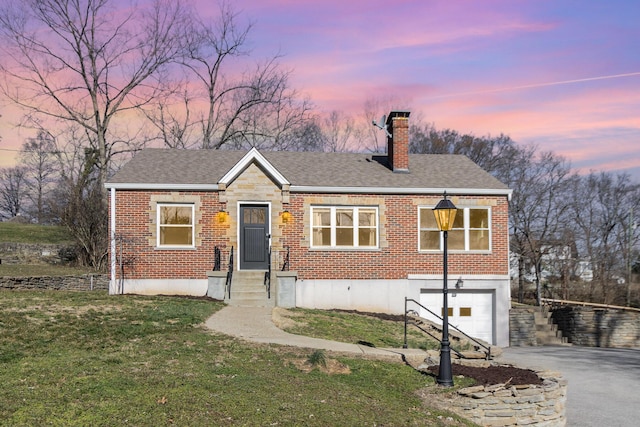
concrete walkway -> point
(256, 324)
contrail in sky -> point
(564, 82)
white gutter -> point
(155, 186)
(321, 189)
(391, 190)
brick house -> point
(351, 230)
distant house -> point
(352, 230)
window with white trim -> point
(470, 232)
(175, 225)
(344, 227)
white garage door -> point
(469, 311)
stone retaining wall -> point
(598, 327)
(83, 282)
(522, 327)
(28, 253)
(507, 405)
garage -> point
(469, 311)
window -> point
(175, 225)
(344, 227)
(465, 311)
(470, 230)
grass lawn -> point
(347, 327)
(86, 358)
(33, 233)
(39, 270)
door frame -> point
(240, 204)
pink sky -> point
(564, 75)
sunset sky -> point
(562, 74)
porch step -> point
(547, 332)
(248, 290)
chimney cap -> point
(398, 113)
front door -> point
(254, 237)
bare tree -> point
(487, 152)
(79, 202)
(371, 138)
(339, 129)
(309, 136)
(600, 207)
(537, 210)
(174, 125)
(12, 191)
(88, 61)
(223, 99)
(38, 156)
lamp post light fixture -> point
(445, 213)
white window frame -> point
(159, 207)
(356, 227)
(466, 212)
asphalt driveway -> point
(604, 383)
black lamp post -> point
(445, 213)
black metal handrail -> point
(229, 273)
(487, 349)
(217, 258)
(285, 264)
(267, 274)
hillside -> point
(14, 232)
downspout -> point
(112, 215)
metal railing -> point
(267, 274)
(285, 264)
(217, 258)
(559, 302)
(229, 273)
(487, 349)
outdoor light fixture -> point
(222, 216)
(445, 213)
(286, 217)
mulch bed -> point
(493, 375)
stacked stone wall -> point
(514, 405)
(85, 282)
(522, 327)
(599, 327)
(30, 253)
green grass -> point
(12, 232)
(352, 328)
(86, 358)
(38, 270)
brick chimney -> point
(398, 142)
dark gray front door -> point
(254, 237)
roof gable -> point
(253, 156)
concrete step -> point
(547, 332)
(248, 290)
(547, 327)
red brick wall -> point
(397, 257)
(136, 224)
(398, 145)
(401, 256)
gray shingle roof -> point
(184, 167)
